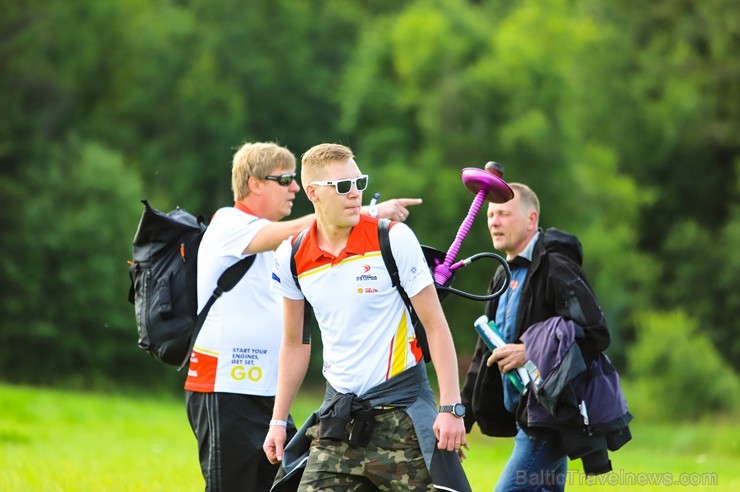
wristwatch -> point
(458, 409)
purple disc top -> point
(497, 191)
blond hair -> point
(258, 159)
(319, 156)
(528, 200)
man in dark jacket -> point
(546, 281)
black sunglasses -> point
(285, 179)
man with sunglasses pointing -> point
(232, 376)
(379, 427)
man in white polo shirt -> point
(379, 425)
(231, 380)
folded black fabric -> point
(343, 409)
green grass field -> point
(70, 441)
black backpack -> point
(390, 265)
(164, 283)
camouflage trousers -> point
(392, 460)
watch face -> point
(459, 410)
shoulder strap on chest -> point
(307, 309)
(384, 226)
(227, 281)
(296, 244)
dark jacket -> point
(555, 285)
(583, 404)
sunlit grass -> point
(69, 441)
(661, 456)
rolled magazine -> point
(492, 337)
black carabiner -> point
(474, 297)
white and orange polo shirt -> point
(237, 348)
(365, 328)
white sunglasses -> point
(343, 186)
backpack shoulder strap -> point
(384, 226)
(296, 244)
(307, 309)
(225, 283)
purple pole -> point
(443, 272)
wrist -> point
(456, 409)
(278, 422)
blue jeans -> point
(536, 463)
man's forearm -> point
(270, 236)
(444, 359)
(292, 366)
(441, 345)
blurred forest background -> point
(623, 116)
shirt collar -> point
(356, 243)
(527, 252)
(244, 208)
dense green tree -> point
(677, 371)
(442, 86)
(66, 318)
(623, 116)
(677, 129)
(703, 277)
(211, 76)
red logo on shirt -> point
(514, 284)
(365, 268)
